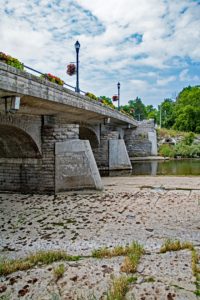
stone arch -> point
(86, 133)
(30, 125)
(16, 143)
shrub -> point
(189, 138)
(166, 150)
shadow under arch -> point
(16, 143)
(86, 133)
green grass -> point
(130, 263)
(132, 259)
(175, 245)
(43, 257)
(118, 289)
(170, 245)
(134, 247)
(59, 271)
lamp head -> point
(77, 45)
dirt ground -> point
(145, 209)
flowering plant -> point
(53, 78)
(14, 62)
(115, 98)
(71, 69)
(91, 96)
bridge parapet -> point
(37, 90)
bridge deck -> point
(39, 96)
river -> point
(178, 167)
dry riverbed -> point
(148, 210)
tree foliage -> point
(187, 110)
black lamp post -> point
(77, 47)
(118, 88)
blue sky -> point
(152, 47)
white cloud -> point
(165, 81)
(42, 34)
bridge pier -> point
(142, 140)
(61, 163)
(111, 153)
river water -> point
(162, 167)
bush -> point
(189, 138)
(166, 150)
(189, 151)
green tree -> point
(166, 113)
(138, 109)
(152, 113)
(187, 110)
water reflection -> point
(166, 167)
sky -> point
(152, 47)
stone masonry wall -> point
(26, 174)
(137, 140)
(101, 153)
(52, 133)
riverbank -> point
(145, 209)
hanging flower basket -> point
(115, 98)
(71, 69)
(53, 78)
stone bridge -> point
(58, 140)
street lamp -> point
(118, 88)
(77, 47)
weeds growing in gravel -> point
(43, 257)
(118, 289)
(170, 245)
(59, 271)
(132, 259)
(196, 270)
(134, 247)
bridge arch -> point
(16, 143)
(88, 133)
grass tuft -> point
(176, 245)
(118, 289)
(131, 261)
(118, 251)
(43, 257)
(59, 271)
